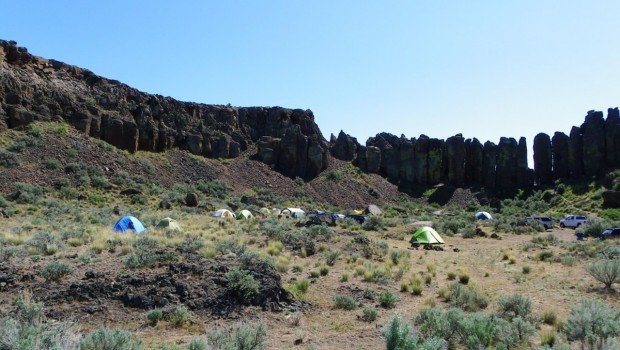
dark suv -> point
(544, 220)
(610, 233)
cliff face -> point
(34, 88)
(590, 150)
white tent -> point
(224, 214)
(483, 215)
(293, 212)
(170, 224)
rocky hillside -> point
(289, 141)
(34, 88)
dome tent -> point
(426, 235)
(245, 214)
(483, 215)
(169, 224)
(224, 214)
(293, 213)
(265, 212)
(129, 223)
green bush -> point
(28, 193)
(513, 306)
(52, 164)
(180, 316)
(606, 271)
(109, 339)
(593, 227)
(56, 270)
(374, 223)
(344, 302)
(466, 298)
(8, 159)
(241, 285)
(147, 252)
(330, 257)
(214, 188)
(399, 336)
(369, 314)
(154, 316)
(610, 214)
(240, 337)
(388, 300)
(594, 324)
(441, 324)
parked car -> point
(544, 220)
(573, 221)
(610, 233)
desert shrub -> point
(466, 298)
(56, 270)
(241, 285)
(180, 316)
(481, 331)
(197, 344)
(344, 302)
(463, 278)
(527, 270)
(52, 164)
(28, 193)
(323, 270)
(147, 252)
(399, 336)
(40, 242)
(374, 223)
(610, 214)
(548, 338)
(214, 188)
(546, 240)
(240, 337)
(334, 176)
(606, 271)
(549, 317)
(99, 181)
(369, 314)
(299, 289)
(568, 260)
(230, 246)
(513, 306)
(593, 324)
(154, 316)
(451, 276)
(27, 328)
(441, 324)
(330, 257)
(8, 159)
(593, 227)
(106, 339)
(388, 300)
(545, 255)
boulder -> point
(165, 204)
(191, 199)
(611, 199)
(344, 147)
(559, 150)
(372, 209)
(542, 159)
(593, 130)
(130, 191)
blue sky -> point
(483, 68)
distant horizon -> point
(404, 67)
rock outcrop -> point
(34, 88)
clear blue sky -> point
(483, 68)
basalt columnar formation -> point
(34, 88)
(589, 150)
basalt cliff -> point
(38, 89)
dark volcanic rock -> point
(344, 147)
(455, 148)
(593, 130)
(524, 179)
(489, 161)
(191, 199)
(34, 88)
(434, 161)
(373, 159)
(611, 199)
(507, 163)
(542, 159)
(612, 137)
(473, 161)
(420, 160)
(575, 153)
(559, 149)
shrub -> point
(330, 257)
(549, 317)
(592, 323)
(240, 337)
(527, 270)
(593, 227)
(147, 252)
(52, 164)
(388, 300)
(105, 339)
(28, 193)
(55, 270)
(399, 336)
(180, 316)
(369, 314)
(463, 278)
(299, 288)
(154, 316)
(611, 214)
(545, 255)
(451, 276)
(568, 260)
(344, 302)
(606, 271)
(197, 344)
(374, 223)
(441, 324)
(466, 298)
(241, 285)
(8, 159)
(214, 188)
(513, 306)
(323, 270)
(548, 338)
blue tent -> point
(129, 223)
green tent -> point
(169, 224)
(426, 235)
